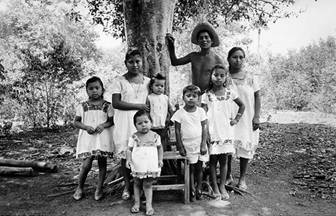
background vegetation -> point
(47, 51)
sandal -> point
(150, 212)
(125, 195)
(78, 195)
(135, 209)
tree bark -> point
(146, 24)
(36, 165)
(17, 171)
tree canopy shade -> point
(109, 13)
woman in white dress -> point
(129, 93)
(246, 132)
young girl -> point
(144, 156)
(246, 132)
(129, 93)
(217, 100)
(191, 135)
(94, 119)
(160, 108)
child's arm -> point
(204, 136)
(129, 157)
(169, 115)
(78, 124)
(240, 111)
(257, 107)
(109, 122)
(171, 49)
(160, 155)
(122, 105)
(179, 143)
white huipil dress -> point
(144, 157)
(94, 144)
(158, 109)
(246, 140)
(123, 119)
(219, 114)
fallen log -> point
(17, 171)
(40, 166)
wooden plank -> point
(172, 155)
(17, 171)
(168, 187)
(36, 165)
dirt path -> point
(274, 178)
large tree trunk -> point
(147, 22)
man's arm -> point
(171, 49)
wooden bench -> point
(185, 186)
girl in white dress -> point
(217, 100)
(129, 93)
(247, 130)
(94, 118)
(160, 108)
(144, 156)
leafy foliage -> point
(109, 13)
(45, 52)
(305, 79)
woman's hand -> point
(160, 163)
(255, 123)
(182, 151)
(99, 128)
(90, 130)
(233, 122)
(128, 164)
(144, 107)
(203, 150)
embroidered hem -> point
(95, 154)
(247, 146)
(148, 174)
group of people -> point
(219, 120)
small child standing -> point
(144, 157)
(191, 135)
(160, 108)
(93, 117)
(218, 102)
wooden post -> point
(17, 171)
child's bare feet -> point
(98, 194)
(224, 193)
(135, 208)
(242, 185)
(150, 211)
(229, 180)
(78, 194)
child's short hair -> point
(158, 76)
(94, 79)
(141, 113)
(132, 51)
(192, 88)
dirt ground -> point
(293, 173)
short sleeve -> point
(202, 113)
(110, 111)
(131, 141)
(157, 140)
(177, 116)
(234, 94)
(204, 98)
(79, 111)
(256, 84)
(116, 85)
